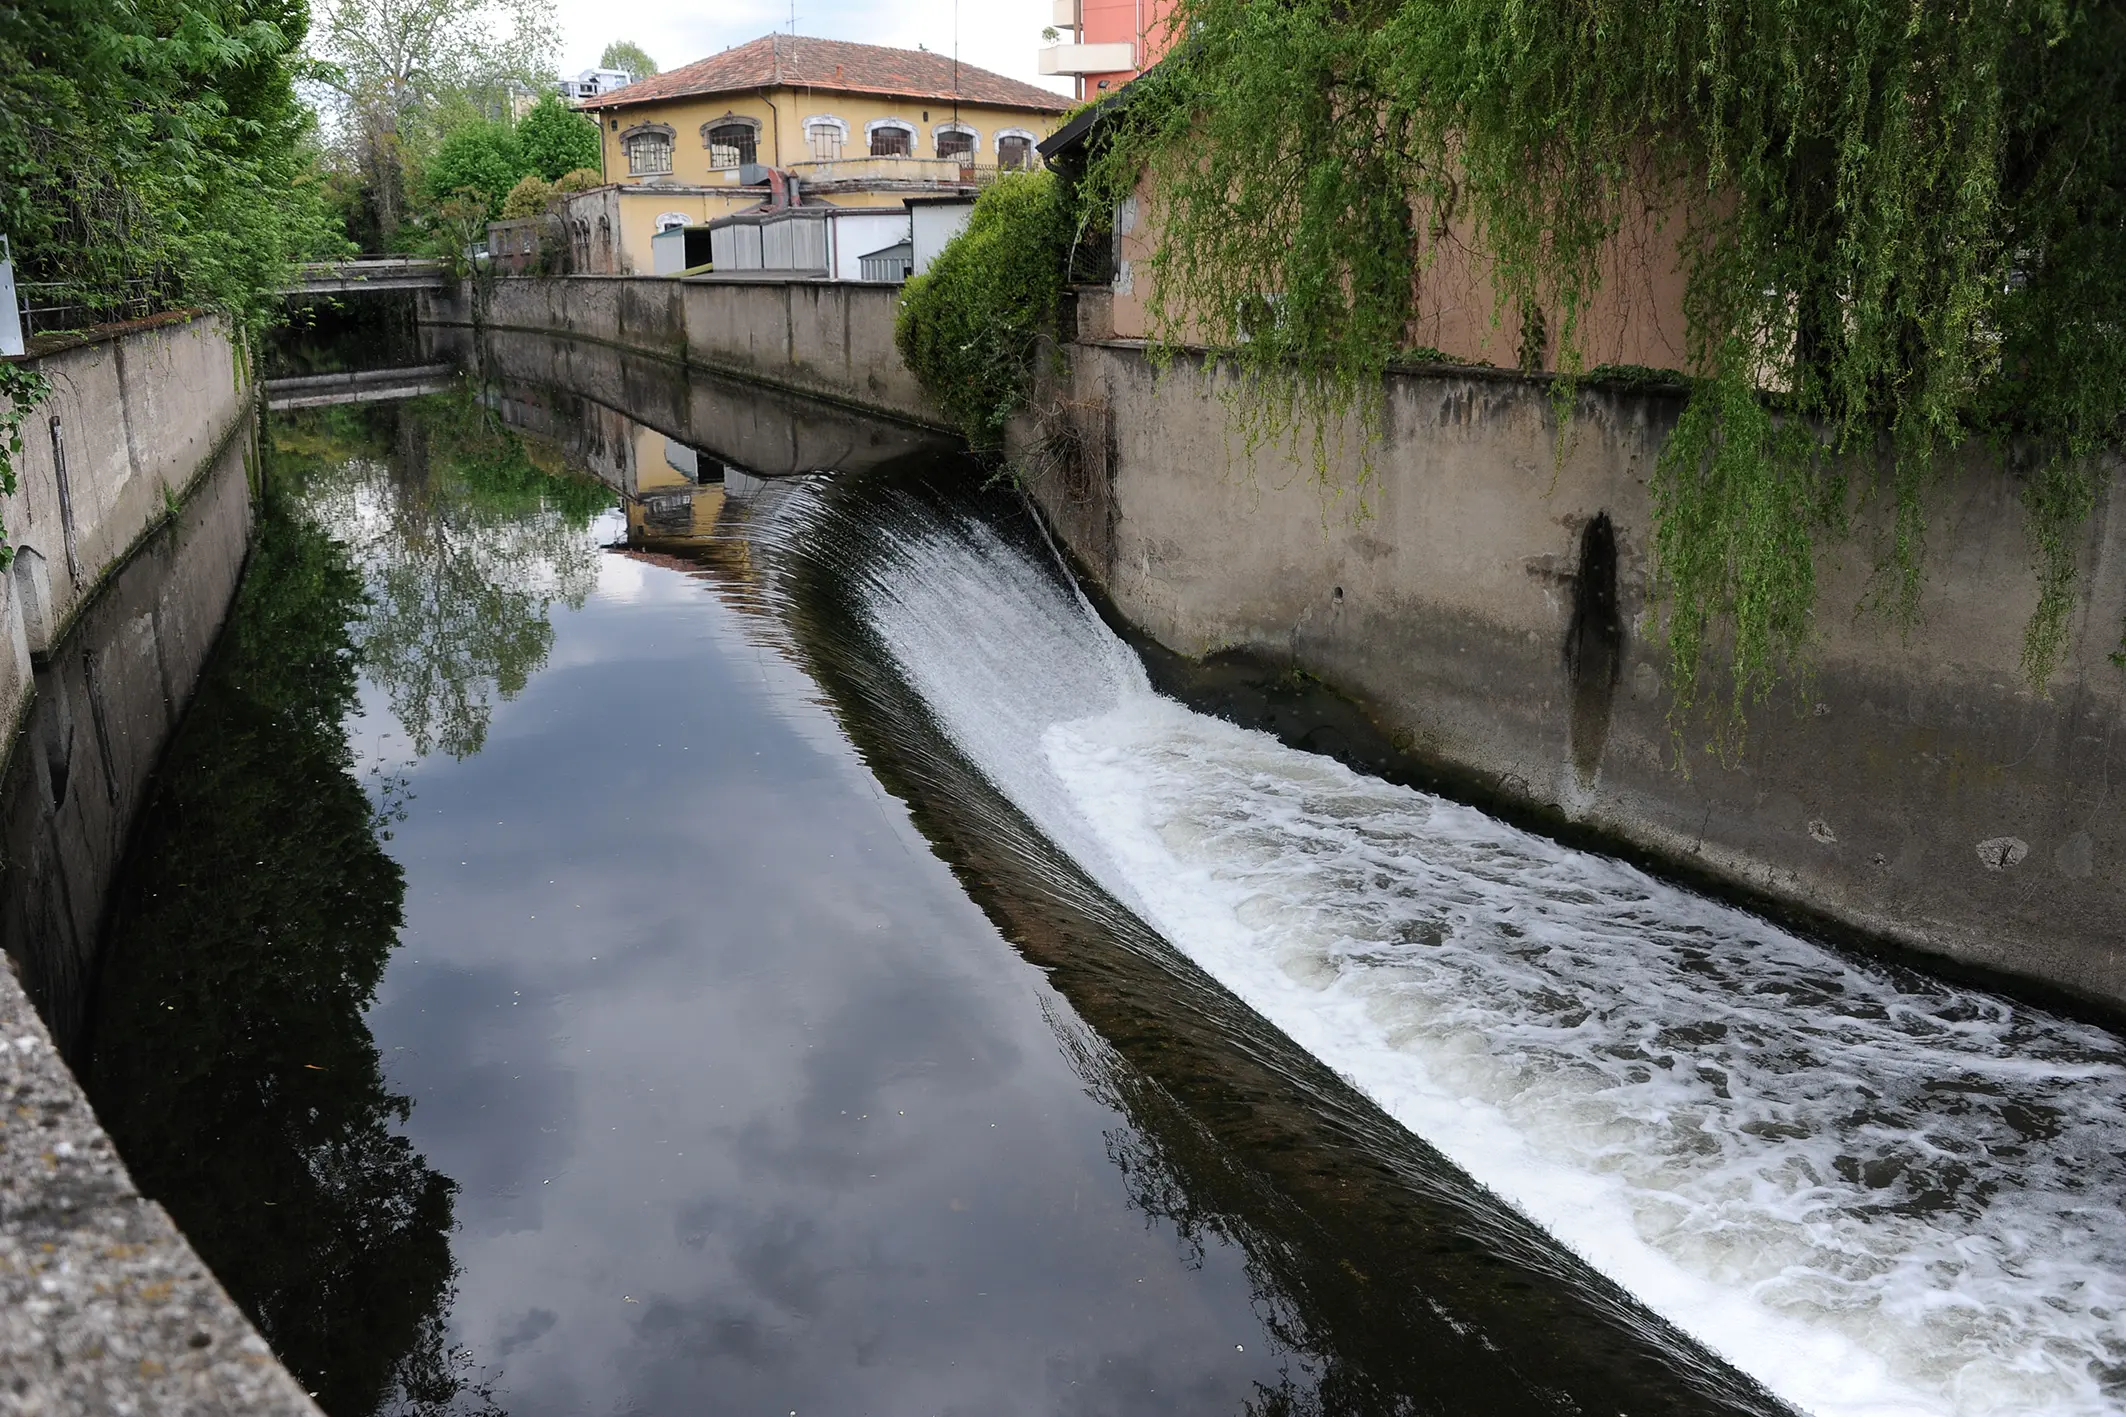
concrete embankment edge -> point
(104, 1307)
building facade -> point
(1103, 44)
(788, 119)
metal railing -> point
(51, 307)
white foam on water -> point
(1875, 1193)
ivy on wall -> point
(1903, 227)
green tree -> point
(159, 149)
(528, 198)
(481, 159)
(628, 55)
(404, 75)
(555, 140)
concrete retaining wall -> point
(135, 416)
(823, 338)
(761, 430)
(103, 1305)
(1925, 795)
(827, 340)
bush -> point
(528, 198)
(969, 326)
(554, 139)
(581, 180)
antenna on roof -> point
(955, 61)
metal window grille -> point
(649, 154)
(731, 145)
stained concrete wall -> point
(135, 416)
(1925, 795)
(108, 698)
(103, 1305)
(827, 340)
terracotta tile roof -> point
(793, 61)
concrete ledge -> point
(103, 1306)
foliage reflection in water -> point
(233, 1062)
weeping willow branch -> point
(1901, 227)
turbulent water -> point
(1872, 1191)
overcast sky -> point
(1001, 35)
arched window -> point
(649, 149)
(824, 135)
(667, 220)
(890, 137)
(1014, 149)
(731, 143)
(955, 140)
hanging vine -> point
(1901, 225)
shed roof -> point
(795, 61)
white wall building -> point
(593, 82)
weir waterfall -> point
(1872, 1191)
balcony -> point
(895, 171)
(1063, 14)
(1088, 58)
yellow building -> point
(847, 124)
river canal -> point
(625, 929)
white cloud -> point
(997, 36)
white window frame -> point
(901, 123)
(841, 142)
(668, 220)
(730, 120)
(1033, 146)
(971, 133)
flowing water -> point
(696, 943)
(1872, 1191)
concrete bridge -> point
(366, 273)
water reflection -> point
(108, 698)
(466, 545)
(413, 550)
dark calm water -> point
(592, 948)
